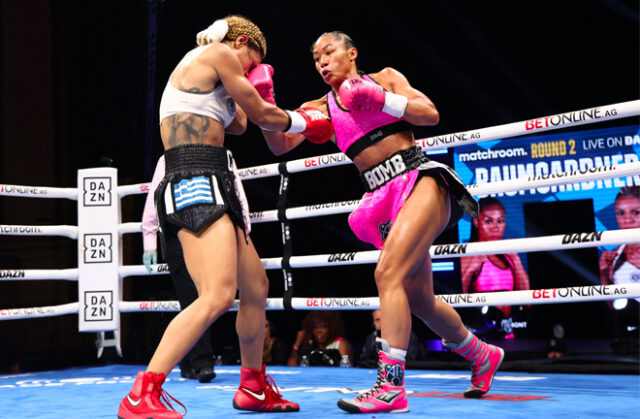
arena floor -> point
(96, 392)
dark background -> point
(81, 82)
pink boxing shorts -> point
(389, 184)
(373, 218)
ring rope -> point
(503, 132)
(533, 126)
(36, 312)
(511, 185)
(24, 230)
(585, 116)
(585, 293)
(38, 274)
(531, 244)
(331, 208)
(38, 192)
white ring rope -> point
(502, 132)
(525, 297)
(516, 129)
(38, 192)
(534, 126)
(37, 274)
(512, 185)
(531, 244)
(36, 312)
(21, 230)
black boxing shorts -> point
(200, 186)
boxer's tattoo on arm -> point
(189, 90)
(187, 129)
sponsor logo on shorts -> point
(384, 229)
(385, 171)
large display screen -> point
(583, 207)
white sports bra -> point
(216, 104)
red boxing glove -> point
(360, 94)
(261, 78)
(311, 123)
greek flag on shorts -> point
(196, 190)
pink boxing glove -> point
(359, 94)
(261, 78)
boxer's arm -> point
(239, 124)
(280, 142)
(420, 110)
(149, 215)
(265, 115)
(258, 111)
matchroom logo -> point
(97, 248)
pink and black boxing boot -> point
(258, 392)
(388, 394)
(143, 401)
(485, 359)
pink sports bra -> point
(493, 278)
(357, 130)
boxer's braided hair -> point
(239, 25)
(230, 28)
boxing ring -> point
(95, 392)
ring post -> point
(99, 250)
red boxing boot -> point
(143, 401)
(259, 393)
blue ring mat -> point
(95, 392)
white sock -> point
(398, 352)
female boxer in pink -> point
(200, 201)
(410, 200)
(488, 273)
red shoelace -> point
(159, 392)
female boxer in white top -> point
(199, 200)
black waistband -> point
(376, 135)
(197, 157)
(395, 165)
